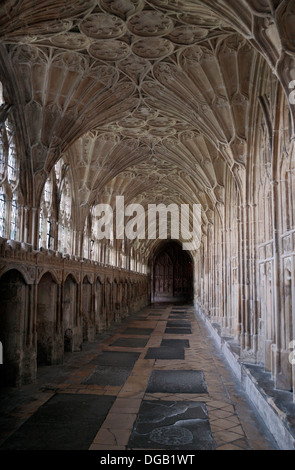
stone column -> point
(35, 228)
(276, 348)
(254, 273)
(26, 224)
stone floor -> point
(156, 381)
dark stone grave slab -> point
(172, 425)
(178, 312)
(165, 353)
(138, 331)
(131, 342)
(108, 375)
(176, 318)
(178, 324)
(65, 422)
(177, 381)
(116, 359)
(178, 331)
(175, 343)
(178, 315)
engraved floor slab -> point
(176, 317)
(165, 352)
(180, 315)
(108, 375)
(175, 343)
(138, 331)
(178, 331)
(177, 381)
(116, 359)
(178, 324)
(130, 342)
(65, 422)
(172, 425)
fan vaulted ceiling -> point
(146, 99)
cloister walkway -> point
(155, 381)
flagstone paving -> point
(155, 381)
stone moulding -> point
(25, 259)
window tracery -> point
(64, 220)
(9, 175)
(56, 212)
(46, 239)
(2, 211)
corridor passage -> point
(153, 382)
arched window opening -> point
(2, 153)
(64, 242)
(8, 159)
(48, 192)
(88, 242)
(12, 162)
(94, 245)
(9, 173)
(46, 239)
(41, 229)
(85, 242)
(14, 219)
(2, 212)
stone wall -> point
(52, 304)
(245, 272)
